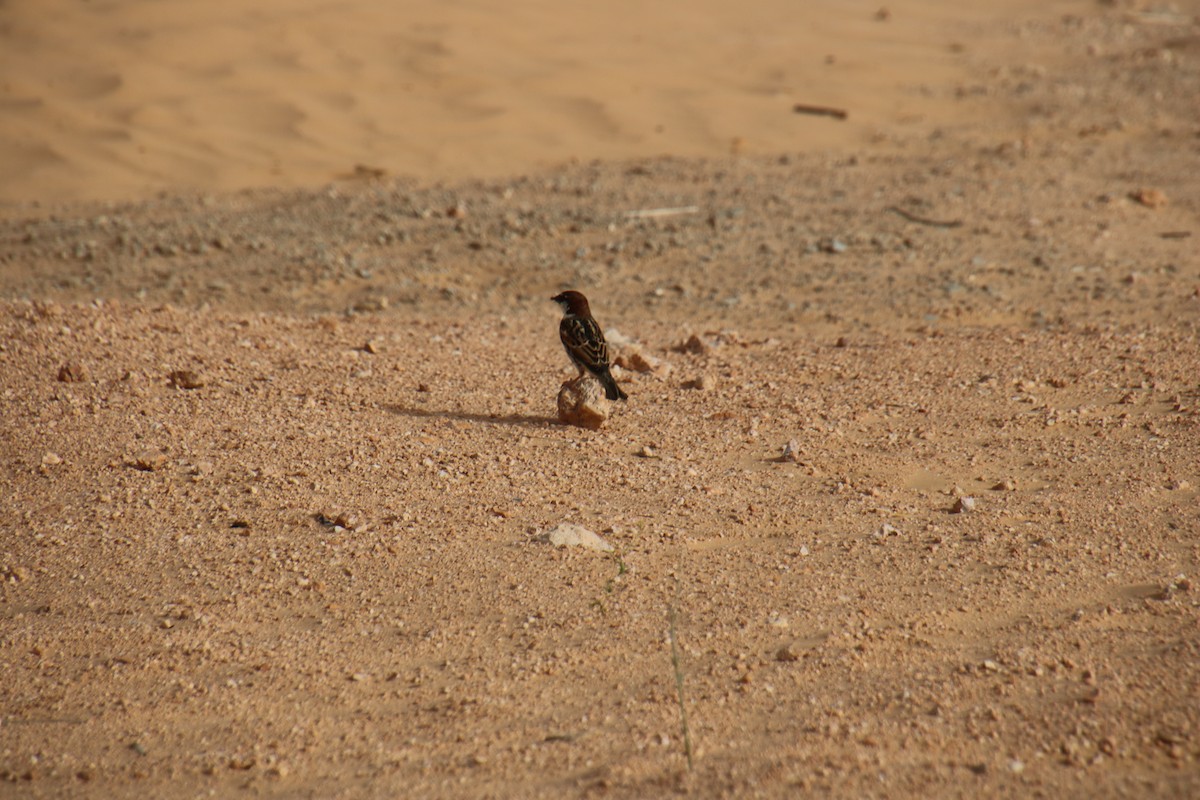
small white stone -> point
(963, 505)
(567, 535)
(885, 530)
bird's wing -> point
(584, 341)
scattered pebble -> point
(371, 305)
(51, 459)
(344, 520)
(885, 530)
(1006, 485)
(185, 379)
(618, 340)
(634, 359)
(791, 452)
(1150, 198)
(72, 372)
(149, 460)
(787, 653)
(647, 452)
(1181, 583)
(703, 383)
(695, 345)
(17, 574)
(347, 520)
(568, 535)
(963, 505)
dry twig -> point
(820, 111)
(646, 213)
(936, 223)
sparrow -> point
(584, 342)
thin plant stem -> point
(683, 719)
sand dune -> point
(109, 100)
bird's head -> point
(572, 302)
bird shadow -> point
(466, 416)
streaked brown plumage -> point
(584, 342)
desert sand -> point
(903, 503)
(105, 100)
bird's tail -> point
(611, 390)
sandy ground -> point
(278, 463)
(108, 100)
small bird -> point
(584, 342)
